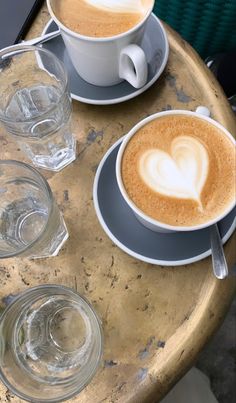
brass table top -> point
(155, 319)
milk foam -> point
(180, 174)
(118, 6)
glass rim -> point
(17, 49)
(100, 337)
(49, 286)
(49, 197)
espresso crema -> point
(180, 170)
(101, 18)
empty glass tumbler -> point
(50, 344)
(31, 224)
(35, 105)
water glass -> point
(35, 105)
(50, 344)
(31, 224)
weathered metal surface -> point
(155, 319)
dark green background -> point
(208, 25)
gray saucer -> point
(120, 224)
(155, 46)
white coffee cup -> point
(107, 61)
(147, 221)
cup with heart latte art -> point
(177, 171)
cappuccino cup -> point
(176, 170)
(103, 38)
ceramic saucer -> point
(155, 46)
(120, 224)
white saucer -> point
(155, 46)
(122, 227)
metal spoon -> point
(35, 41)
(220, 267)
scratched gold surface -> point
(155, 319)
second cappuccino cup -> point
(176, 171)
(103, 40)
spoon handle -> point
(219, 263)
(34, 41)
(41, 39)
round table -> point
(155, 319)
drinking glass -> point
(35, 105)
(50, 344)
(30, 222)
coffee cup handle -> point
(133, 66)
(203, 110)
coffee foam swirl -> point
(118, 6)
(180, 174)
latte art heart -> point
(180, 174)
